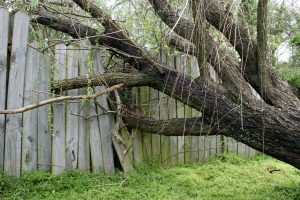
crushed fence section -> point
(78, 134)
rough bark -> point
(278, 93)
(219, 109)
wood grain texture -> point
(180, 113)
(44, 135)
(104, 121)
(4, 23)
(72, 107)
(30, 120)
(84, 124)
(137, 142)
(173, 156)
(144, 96)
(164, 114)
(59, 112)
(12, 163)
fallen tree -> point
(271, 124)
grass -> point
(225, 177)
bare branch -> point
(62, 98)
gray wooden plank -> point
(242, 149)
(12, 163)
(195, 113)
(71, 108)
(145, 111)
(207, 143)
(59, 122)
(95, 141)
(104, 122)
(4, 24)
(180, 113)
(44, 135)
(125, 155)
(137, 142)
(172, 114)
(30, 137)
(84, 125)
(232, 145)
(155, 140)
(163, 110)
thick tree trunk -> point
(261, 126)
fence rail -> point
(77, 134)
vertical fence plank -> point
(172, 114)
(187, 114)
(232, 145)
(95, 134)
(4, 20)
(12, 163)
(104, 122)
(30, 137)
(44, 136)
(71, 109)
(163, 110)
(84, 125)
(145, 111)
(155, 138)
(137, 143)
(195, 146)
(180, 111)
(59, 120)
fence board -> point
(195, 72)
(137, 143)
(84, 124)
(71, 108)
(30, 137)
(186, 63)
(145, 111)
(163, 110)
(155, 138)
(232, 145)
(59, 122)
(4, 20)
(44, 135)
(12, 163)
(104, 122)
(173, 156)
(180, 112)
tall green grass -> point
(225, 177)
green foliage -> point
(225, 177)
(34, 3)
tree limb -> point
(62, 98)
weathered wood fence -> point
(77, 134)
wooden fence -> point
(77, 134)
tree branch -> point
(59, 99)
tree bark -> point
(281, 127)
